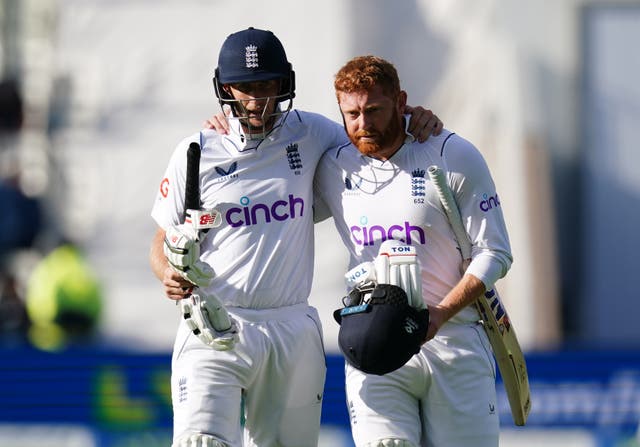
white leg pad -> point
(390, 442)
(198, 440)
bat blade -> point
(501, 334)
(508, 354)
(192, 182)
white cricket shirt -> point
(374, 200)
(262, 254)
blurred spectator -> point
(21, 218)
(58, 302)
(14, 321)
(23, 221)
(20, 225)
(64, 300)
(11, 107)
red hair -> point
(365, 72)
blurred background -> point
(95, 94)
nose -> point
(364, 121)
(254, 102)
(253, 92)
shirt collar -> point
(408, 137)
(237, 135)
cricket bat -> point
(192, 182)
(500, 331)
(202, 220)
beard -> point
(378, 142)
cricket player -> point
(376, 189)
(248, 333)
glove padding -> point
(208, 319)
(397, 264)
(182, 249)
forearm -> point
(468, 289)
(157, 259)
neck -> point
(385, 153)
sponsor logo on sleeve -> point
(489, 202)
(164, 187)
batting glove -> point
(208, 319)
(182, 249)
(397, 264)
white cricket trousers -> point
(278, 367)
(445, 396)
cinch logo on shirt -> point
(259, 213)
(369, 235)
(489, 202)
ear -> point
(402, 101)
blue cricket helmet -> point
(379, 330)
(253, 55)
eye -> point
(265, 85)
(256, 86)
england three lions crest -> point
(293, 157)
(418, 183)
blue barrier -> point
(117, 390)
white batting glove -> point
(208, 319)
(181, 246)
(397, 264)
(182, 249)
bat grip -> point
(192, 182)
